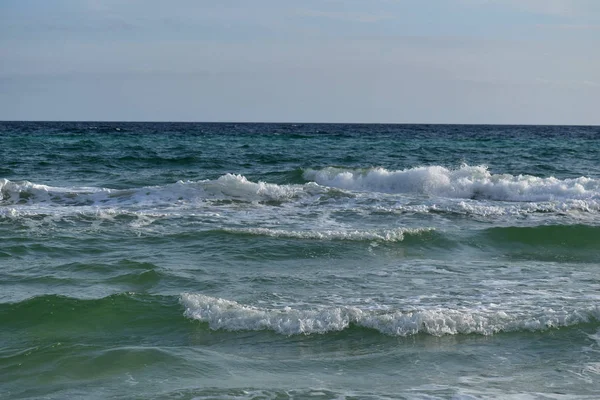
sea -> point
(299, 261)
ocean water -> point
(290, 261)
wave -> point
(466, 182)
(549, 243)
(221, 314)
(60, 313)
(183, 160)
(471, 191)
(226, 187)
(55, 313)
(563, 236)
(384, 235)
(253, 393)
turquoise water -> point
(275, 261)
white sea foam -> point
(229, 186)
(467, 191)
(230, 315)
(465, 182)
(237, 186)
(27, 192)
(384, 235)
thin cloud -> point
(567, 83)
(570, 27)
(345, 16)
(564, 8)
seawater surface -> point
(321, 261)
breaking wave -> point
(471, 191)
(227, 187)
(384, 235)
(466, 182)
(221, 314)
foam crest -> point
(229, 186)
(238, 187)
(24, 192)
(384, 235)
(230, 315)
(474, 182)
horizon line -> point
(293, 123)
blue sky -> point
(430, 61)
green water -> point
(275, 261)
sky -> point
(371, 61)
